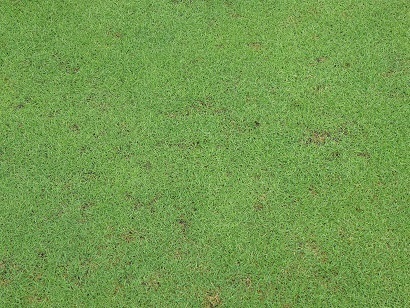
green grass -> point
(204, 153)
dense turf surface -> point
(204, 153)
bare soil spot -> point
(389, 73)
(260, 203)
(129, 236)
(151, 284)
(87, 205)
(248, 282)
(205, 103)
(321, 59)
(319, 138)
(149, 205)
(202, 107)
(118, 288)
(74, 128)
(35, 299)
(291, 21)
(320, 88)
(258, 206)
(335, 154)
(312, 248)
(115, 34)
(313, 191)
(73, 70)
(213, 300)
(90, 175)
(364, 155)
(178, 254)
(188, 145)
(148, 166)
(36, 276)
(183, 224)
(257, 46)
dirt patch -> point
(320, 88)
(118, 288)
(131, 236)
(183, 224)
(313, 191)
(140, 204)
(86, 206)
(291, 22)
(258, 206)
(256, 46)
(260, 203)
(248, 282)
(205, 103)
(72, 70)
(364, 155)
(152, 283)
(3, 274)
(389, 73)
(213, 300)
(188, 145)
(335, 154)
(85, 211)
(36, 299)
(321, 59)
(147, 166)
(178, 254)
(319, 138)
(182, 1)
(74, 128)
(313, 249)
(115, 34)
(347, 65)
(206, 106)
(89, 175)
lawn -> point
(204, 153)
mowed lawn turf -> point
(204, 153)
